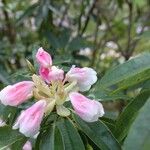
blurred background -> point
(93, 33)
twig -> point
(64, 14)
(127, 54)
(88, 17)
(10, 30)
(80, 16)
(95, 46)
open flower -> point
(16, 94)
(27, 146)
(29, 121)
(43, 58)
(51, 74)
(88, 110)
(85, 77)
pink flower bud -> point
(16, 94)
(88, 110)
(29, 121)
(51, 74)
(85, 77)
(43, 58)
(27, 146)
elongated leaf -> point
(106, 95)
(6, 111)
(58, 140)
(4, 76)
(42, 12)
(50, 139)
(70, 136)
(52, 39)
(109, 123)
(27, 13)
(47, 141)
(143, 76)
(139, 133)
(77, 43)
(130, 73)
(128, 115)
(8, 137)
(19, 144)
(99, 134)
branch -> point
(130, 6)
(64, 14)
(80, 16)
(10, 31)
(88, 17)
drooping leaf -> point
(128, 115)
(110, 123)
(77, 43)
(99, 134)
(70, 136)
(139, 133)
(50, 138)
(8, 137)
(34, 58)
(42, 12)
(4, 76)
(27, 13)
(58, 140)
(128, 74)
(106, 94)
(8, 113)
(19, 144)
(47, 140)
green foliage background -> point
(102, 34)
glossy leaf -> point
(47, 140)
(99, 134)
(70, 136)
(8, 137)
(128, 115)
(139, 132)
(129, 73)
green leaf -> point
(128, 74)
(77, 43)
(99, 134)
(146, 85)
(107, 95)
(42, 12)
(110, 123)
(4, 76)
(8, 113)
(52, 39)
(139, 3)
(139, 133)
(145, 34)
(19, 144)
(27, 13)
(128, 115)
(35, 64)
(47, 141)
(8, 137)
(58, 140)
(70, 136)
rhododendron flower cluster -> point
(50, 89)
